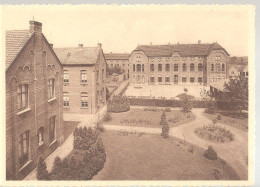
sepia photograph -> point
(128, 93)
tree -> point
(165, 127)
(42, 173)
(186, 106)
(107, 94)
(236, 92)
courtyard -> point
(165, 91)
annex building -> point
(34, 117)
(178, 64)
(84, 75)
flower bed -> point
(214, 133)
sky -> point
(122, 28)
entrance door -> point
(175, 79)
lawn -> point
(150, 157)
(69, 128)
(141, 118)
(231, 119)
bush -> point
(211, 107)
(219, 117)
(210, 154)
(42, 173)
(165, 127)
(107, 117)
(100, 128)
(118, 104)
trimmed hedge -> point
(178, 103)
(118, 104)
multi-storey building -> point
(118, 60)
(34, 118)
(84, 75)
(178, 63)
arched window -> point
(212, 67)
(184, 67)
(223, 67)
(191, 67)
(200, 67)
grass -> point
(230, 119)
(150, 157)
(69, 128)
(147, 118)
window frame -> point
(51, 88)
(66, 99)
(22, 96)
(66, 76)
(84, 99)
(24, 144)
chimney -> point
(99, 45)
(199, 41)
(51, 45)
(80, 45)
(35, 27)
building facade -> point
(34, 118)
(178, 64)
(84, 75)
(118, 60)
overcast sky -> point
(122, 28)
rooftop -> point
(77, 55)
(220, 84)
(117, 56)
(183, 49)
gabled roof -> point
(117, 56)
(183, 49)
(15, 41)
(78, 55)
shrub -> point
(118, 104)
(211, 107)
(107, 117)
(165, 127)
(42, 173)
(100, 128)
(210, 153)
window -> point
(152, 59)
(138, 59)
(66, 99)
(191, 79)
(175, 58)
(159, 59)
(83, 76)
(200, 79)
(223, 67)
(142, 67)
(184, 79)
(175, 67)
(40, 135)
(103, 74)
(192, 58)
(138, 67)
(212, 67)
(184, 58)
(167, 67)
(133, 67)
(152, 79)
(200, 58)
(212, 79)
(159, 79)
(143, 79)
(24, 148)
(139, 78)
(167, 80)
(175, 79)
(217, 78)
(52, 129)
(84, 99)
(151, 67)
(167, 59)
(191, 67)
(65, 76)
(159, 67)
(51, 88)
(217, 66)
(22, 96)
(200, 67)
(97, 76)
(218, 57)
(184, 67)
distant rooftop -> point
(220, 84)
(183, 49)
(116, 56)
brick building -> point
(178, 64)
(34, 118)
(118, 60)
(84, 75)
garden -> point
(140, 156)
(148, 117)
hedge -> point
(118, 104)
(178, 103)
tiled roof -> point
(77, 55)
(182, 49)
(220, 84)
(116, 56)
(15, 40)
